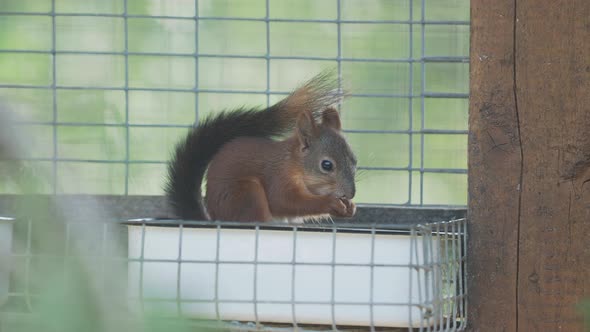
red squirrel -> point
(253, 177)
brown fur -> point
(252, 177)
(262, 179)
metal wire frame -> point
(435, 265)
(224, 18)
(420, 59)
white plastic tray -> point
(5, 252)
(236, 281)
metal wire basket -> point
(263, 276)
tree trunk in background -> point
(529, 165)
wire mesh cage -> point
(109, 86)
(92, 78)
(256, 276)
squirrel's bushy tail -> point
(193, 154)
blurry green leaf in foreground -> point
(62, 288)
(584, 308)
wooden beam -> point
(529, 165)
(495, 162)
(553, 98)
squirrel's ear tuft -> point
(306, 129)
(331, 118)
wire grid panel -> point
(110, 86)
(332, 276)
(270, 277)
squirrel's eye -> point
(327, 165)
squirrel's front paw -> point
(350, 207)
(342, 207)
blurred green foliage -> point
(64, 273)
(153, 145)
(584, 309)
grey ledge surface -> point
(119, 208)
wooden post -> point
(495, 161)
(529, 164)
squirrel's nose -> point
(350, 192)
